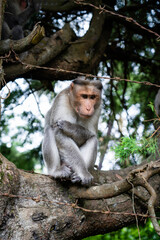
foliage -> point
(151, 105)
(146, 232)
(23, 160)
(130, 149)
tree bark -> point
(35, 206)
(24, 44)
(43, 52)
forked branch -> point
(137, 177)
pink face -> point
(85, 98)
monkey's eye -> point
(92, 96)
(85, 96)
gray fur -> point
(157, 103)
(70, 144)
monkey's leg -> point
(89, 152)
(72, 157)
(51, 156)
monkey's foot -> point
(75, 178)
(62, 172)
(87, 180)
(65, 171)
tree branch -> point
(24, 44)
(119, 187)
(39, 205)
(137, 177)
(78, 56)
(151, 204)
(42, 53)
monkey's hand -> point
(76, 132)
(61, 124)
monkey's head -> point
(85, 96)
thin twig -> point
(134, 210)
(128, 19)
(73, 205)
(87, 75)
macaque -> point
(157, 103)
(70, 144)
(17, 13)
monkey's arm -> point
(76, 132)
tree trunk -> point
(35, 206)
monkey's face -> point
(84, 99)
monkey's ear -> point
(71, 86)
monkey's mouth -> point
(84, 115)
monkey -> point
(157, 103)
(69, 145)
(17, 13)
